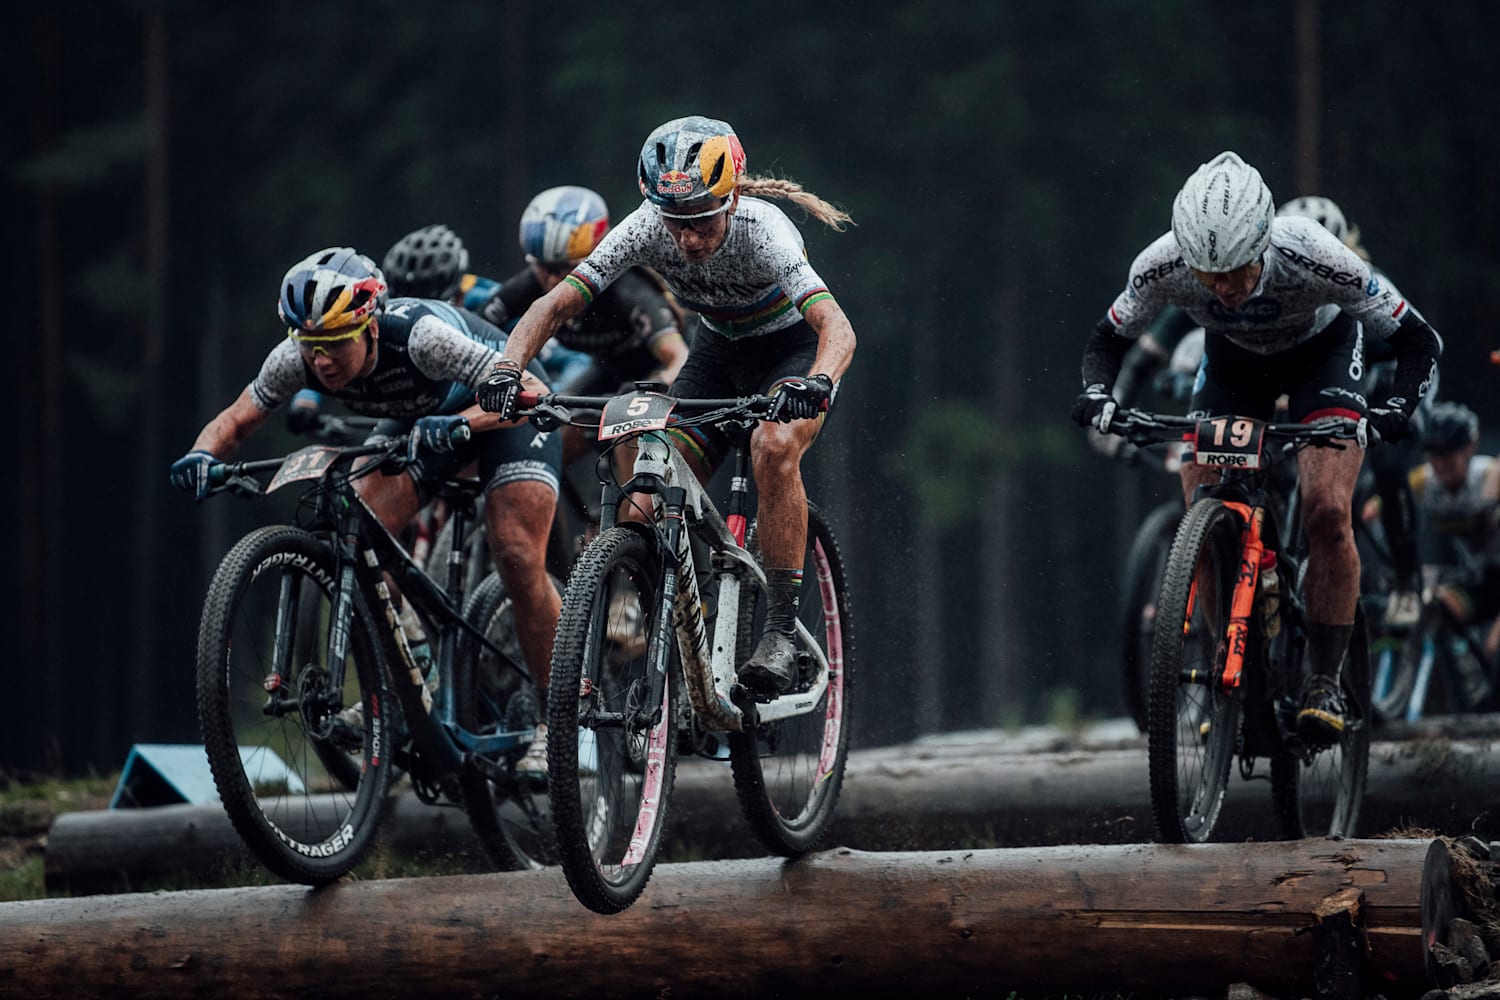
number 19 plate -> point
(1229, 442)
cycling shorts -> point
(1322, 377)
(505, 455)
(720, 368)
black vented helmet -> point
(426, 264)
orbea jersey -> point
(1307, 276)
(757, 282)
(430, 357)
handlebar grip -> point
(218, 474)
(528, 400)
(460, 434)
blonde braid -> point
(775, 187)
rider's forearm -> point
(222, 436)
(1103, 355)
(835, 339)
(541, 321)
(1417, 349)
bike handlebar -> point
(561, 408)
(1141, 427)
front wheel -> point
(611, 749)
(1318, 792)
(1192, 722)
(788, 772)
(298, 746)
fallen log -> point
(1136, 918)
(960, 794)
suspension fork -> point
(1242, 604)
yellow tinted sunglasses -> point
(320, 342)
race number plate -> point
(633, 413)
(1228, 442)
(306, 463)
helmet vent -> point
(716, 173)
(309, 289)
(361, 297)
(661, 153)
(323, 260)
(693, 151)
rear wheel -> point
(1318, 793)
(1192, 721)
(611, 749)
(1144, 566)
(299, 747)
(788, 772)
(512, 819)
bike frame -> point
(683, 510)
(364, 551)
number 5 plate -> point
(1228, 442)
(634, 413)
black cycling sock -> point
(1326, 645)
(783, 587)
(1398, 517)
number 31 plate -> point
(1229, 442)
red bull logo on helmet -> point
(674, 182)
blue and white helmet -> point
(330, 290)
(690, 158)
(1222, 215)
(562, 224)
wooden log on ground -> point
(959, 794)
(1045, 920)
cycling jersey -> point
(1454, 517)
(1308, 276)
(757, 282)
(429, 358)
(619, 329)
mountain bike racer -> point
(416, 361)
(767, 324)
(1285, 307)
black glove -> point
(1389, 421)
(800, 398)
(304, 414)
(433, 435)
(497, 394)
(190, 472)
(494, 310)
(1095, 406)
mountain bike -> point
(1226, 659)
(300, 652)
(1440, 665)
(657, 615)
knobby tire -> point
(313, 819)
(1192, 722)
(788, 773)
(611, 749)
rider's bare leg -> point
(776, 451)
(518, 516)
(1331, 586)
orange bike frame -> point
(1243, 601)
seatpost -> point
(739, 494)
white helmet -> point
(1222, 215)
(1321, 210)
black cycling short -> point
(1322, 376)
(720, 368)
(505, 455)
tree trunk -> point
(1053, 919)
(914, 797)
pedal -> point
(745, 700)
